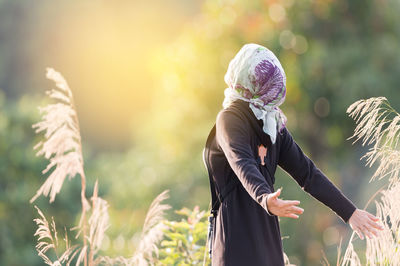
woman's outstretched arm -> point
(313, 180)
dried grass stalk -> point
(62, 145)
(153, 230)
(98, 223)
(45, 237)
(152, 233)
(384, 249)
(378, 124)
(48, 240)
(350, 257)
(63, 148)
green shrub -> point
(185, 240)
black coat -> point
(245, 232)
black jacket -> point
(245, 232)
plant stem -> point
(83, 182)
(365, 207)
(83, 199)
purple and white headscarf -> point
(255, 75)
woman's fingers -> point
(297, 210)
(358, 231)
(375, 225)
(286, 208)
(290, 202)
(366, 231)
(373, 231)
(373, 217)
(365, 228)
(292, 215)
(291, 211)
(363, 222)
(276, 194)
(371, 227)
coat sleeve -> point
(311, 179)
(233, 137)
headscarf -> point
(255, 75)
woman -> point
(248, 142)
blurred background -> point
(147, 78)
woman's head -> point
(256, 76)
(256, 73)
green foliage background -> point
(138, 141)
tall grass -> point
(378, 125)
(62, 146)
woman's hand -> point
(363, 222)
(283, 208)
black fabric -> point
(217, 196)
(215, 199)
(245, 233)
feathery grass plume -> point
(378, 123)
(384, 250)
(62, 147)
(98, 223)
(152, 233)
(350, 257)
(47, 240)
(45, 237)
(63, 141)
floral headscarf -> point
(255, 75)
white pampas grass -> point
(63, 148)
(47, 239)
(98, 223)
(384, 250)
(379, 124)
(152, 233)
(62, 145)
